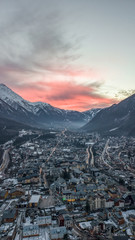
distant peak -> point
(3, 85)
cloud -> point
(68, 95)
(32, 38)
(39, 61)
(124, 93)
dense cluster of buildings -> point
(64, 185)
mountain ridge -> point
(114, 120)
(39, 113)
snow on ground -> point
(85, 225)
(127, 213)
(62, 207)
(44, 234)
(75, 232)
(11, 180)
(128, 231)
(17, 237)
(113, 129)
(110, 222)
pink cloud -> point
(68, 95)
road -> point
(5, 162)
(90, 157)
(51, 154)
(83, 234)
(105, 150)
(54, 149)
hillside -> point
(119, 119)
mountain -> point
(119, 119)
(9, 129)
(92, 113)
(40, 114)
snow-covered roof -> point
(85, 225)
(34, 198)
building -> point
(34, 201)
(3, 194)
(44, 221)
(57, 233)
(16, 192)
(30, 230)
(9, 215)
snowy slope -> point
(38, 112)
(119, 119)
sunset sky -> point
(73, 54)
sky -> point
(73, 54)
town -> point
(67, 185)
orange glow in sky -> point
(65, 95)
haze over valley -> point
(67, 120)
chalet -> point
(16, 193)
(34, 201)
(9, 215)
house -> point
(3, 194)
(126, 197)
(16, 193)
(9, 215)
(119, 203)
(29, 175)
(131, 218)
(103, 216)
(119, 218)
(109, 202)
(61, 221)
(34, 201)
(68, 222)
(129, 199)
(65, 220)
(57, 233)
(44, 221)
(97, 227)
(30, 230)
(112, 193)
(60, 185)
(98, 203)
(133, 199)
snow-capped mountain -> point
(15, 101)
(13, 106)
(92, 113)
(119, 119)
